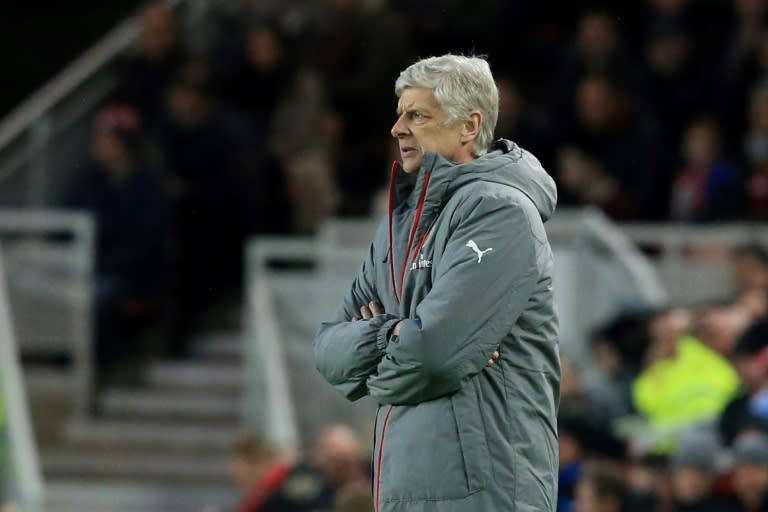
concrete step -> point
(67, 495)
(162, 436)
(196, 375)
(143, 403)
(144, 466)
(219, 347)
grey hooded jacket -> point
(464, 262)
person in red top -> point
(273, 483)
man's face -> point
(245, 473)
(691, 485)
(423, 126)
(750, 482)
(587, 499)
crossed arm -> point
(460, 323)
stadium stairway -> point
(161, 447)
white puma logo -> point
(472, 245)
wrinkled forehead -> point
(417, 98)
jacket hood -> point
(506, 163)
(509, 164)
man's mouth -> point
(408, 151)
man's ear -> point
(471, 127)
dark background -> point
(37, 39)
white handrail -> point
(23, 451)
(638, 267)
(66, 81)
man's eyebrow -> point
(411, 107)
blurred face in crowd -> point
(719, 327)
(423, 125)
(669, 7)
(691, 485)
(188, 106)
(597, 36)
(338, 455)
(510, 105)
(589, 500)
(570, 449)
(750, 9)
(702, 144)
(667, 328)
(246, 473)
(749, 273)
(758, 111)
(263, 49)
(597, 103)
(108, 149)
(750, 483)
(668, 54)
(158, 30)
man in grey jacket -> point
(457, 336)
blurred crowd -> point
(670, 412)
(334, 477)
(276, 115)
(654, 110)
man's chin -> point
(411, 165)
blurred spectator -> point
(339, 456)
(208, 157)
(750, 18)
(617, 350)
(750, 474)
(518, 121)
(354, 498)
(597, 50)
(756, 152)
(750, 268)
(131, 211)
(581, 438)
(311, 189)
(694, 473)
(256, 84)
(719, 326)
(601, 489)
(271, 483)
(672, 85)
(648, 483)
(685, 381)
(144, 75)
(609, 127)
(750, 408)
(584, 182)
(707, 188)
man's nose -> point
(399, 129)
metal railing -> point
(19, 463)
(693, 261)
(49, 256)
(43, 137)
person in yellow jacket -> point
(689, 383)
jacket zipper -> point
(379, 458)
(411, 237)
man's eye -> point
(417, 116)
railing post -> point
(37, 178)
(83, 361)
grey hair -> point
(461, 85)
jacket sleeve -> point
(347, 352)
(472, 305)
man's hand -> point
(370, 310)
(494, 357)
